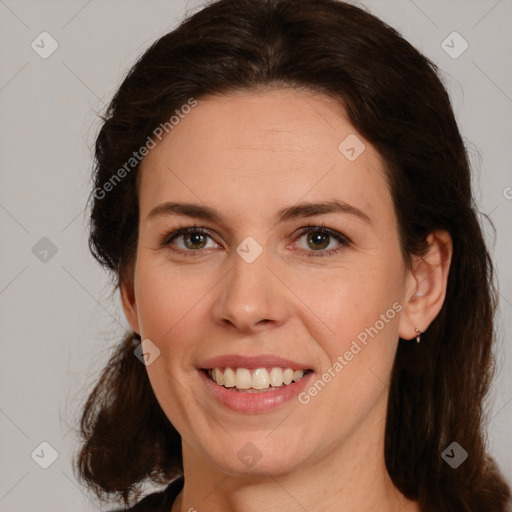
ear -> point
(129, 305)
(426, 283)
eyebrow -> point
(301, 210)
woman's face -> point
(256, 288)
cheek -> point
(361, 308)
(168, 305)
(360, 313)
(165, 296)
(352, 299)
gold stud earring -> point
(418, 335)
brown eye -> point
(191, 240)
(319, 240)
(194, 240)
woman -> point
(284, 198)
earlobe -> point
(426, 285)
(129, 305)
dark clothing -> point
(158, 501)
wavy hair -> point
(395, 98)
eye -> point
(193, 241)
(319, 238)
(190, 241)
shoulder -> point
(159, 501)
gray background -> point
(59, 318)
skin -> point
(248, 155)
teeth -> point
(287, 376)
(297, 375)
(260, 378)
(243, 378)
(276, 377)
(229, 378)
(217, 376)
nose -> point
(251, 298)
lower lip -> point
(255, 402)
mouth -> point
(255, 380)
(254, 384)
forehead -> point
(259, 150)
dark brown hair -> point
(395, 99)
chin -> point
(255, 457)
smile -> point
(247, 399)
(256, 379)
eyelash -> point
(342, 239)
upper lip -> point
(251, 362)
